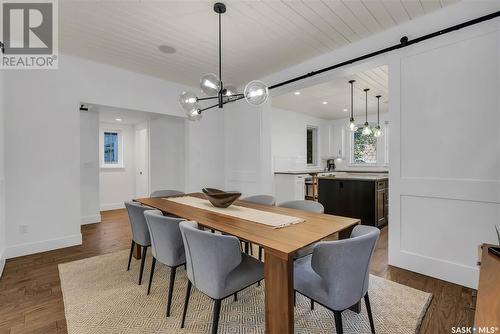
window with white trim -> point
(111, 148)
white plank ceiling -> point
(337, 94)
(259, 37)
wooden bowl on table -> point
(220, 198)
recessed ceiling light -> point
(325, 102)
(296, 93)
(118, 119)
(167, 49)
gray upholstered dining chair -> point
(140, 232)
(337, 273)
(216, 267)
(166, 193)
(304, 205)
(167, 247)
(262, 200)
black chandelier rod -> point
(221, 102)
(234, 98)
(404, 42)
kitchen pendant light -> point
(378, 131)
(366, 129)
(352, 124)
(255, 93)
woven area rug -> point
(100, 296)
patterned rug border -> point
(112, 254)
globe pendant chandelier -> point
(255, 92)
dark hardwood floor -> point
(31, 299)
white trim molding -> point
(43, 246)
(2, 264)
(92, 219)
(112, 206)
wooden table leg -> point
(344, 234)
(137, 252)
(278, 275)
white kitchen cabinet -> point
(289, 187)
(336, 141)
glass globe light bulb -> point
(366, 130)
(229, 92)
(352, 125)
(194, 114)
(378, 132)
(210, 84)
(187, 100)
(256, 92)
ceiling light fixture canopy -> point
(255, 92)
(366, 129)
(378, 131)
(352, 124)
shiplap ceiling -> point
(338, 97)
(259, 37)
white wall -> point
(205, 152)
(117, 185)
(89, 167)
(167, 153)
(289, 137)
(42, 181)
(2, 184)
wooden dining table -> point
(280, 245)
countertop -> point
(357, 176)
(302, 172)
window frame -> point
(315, 143)
(381, 146)
(120, 163)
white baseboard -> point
(445, 270)
(2, 264)
(43, 246)
(112, 206)
(92, 219)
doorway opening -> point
(127, 154)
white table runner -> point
(272, 219)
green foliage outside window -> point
(365, 147)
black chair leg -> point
(153, 264)
(312, 304)
(171, 289)
(260, 253)
(338, 322)
(369, 311)
(294, 298)
(215, 321)
(130, 256)
(236, 296)
(251, 248)
(143, 260)
(246, 247)
(186, 302)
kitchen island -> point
(356, 195)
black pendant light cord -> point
(366, 106)
(404, 42)
(352, 99)
(378, 109)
